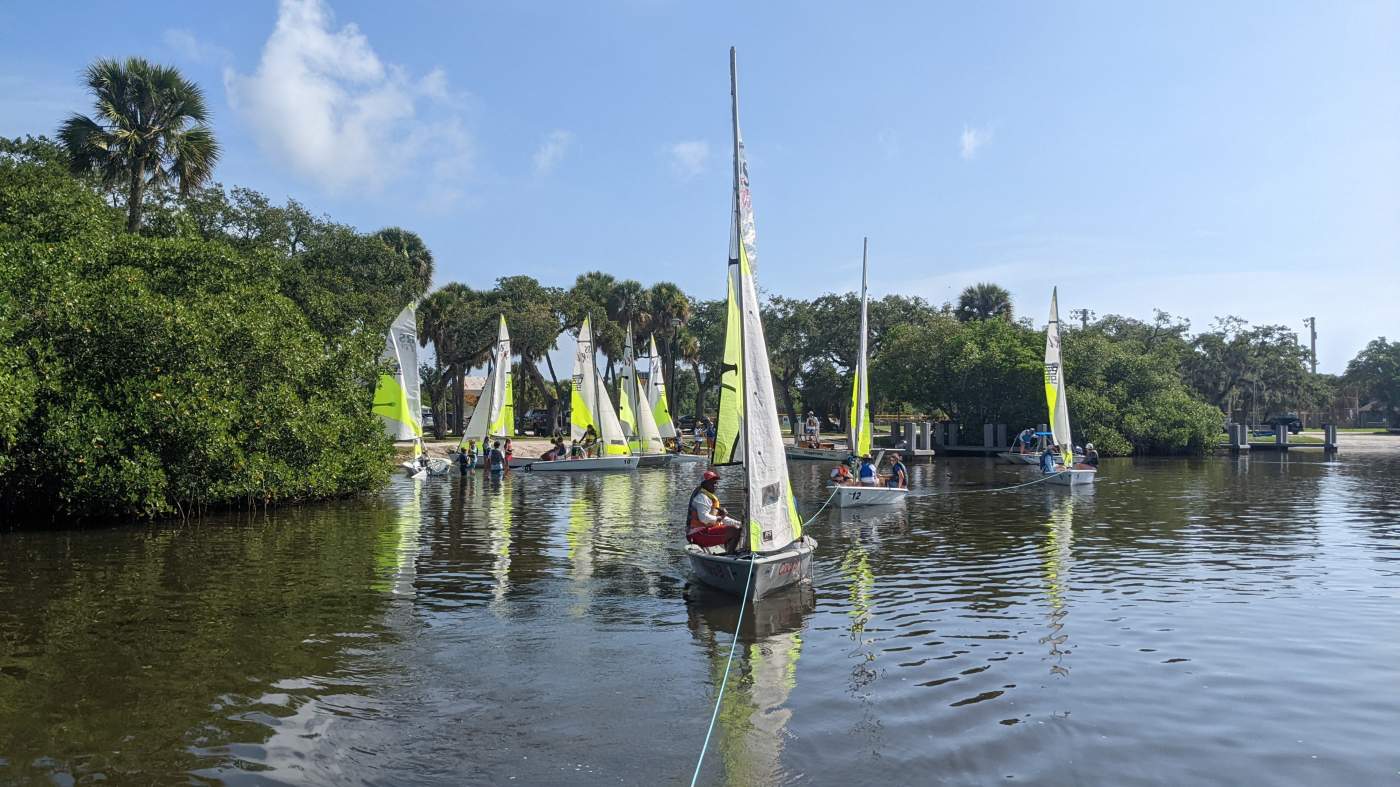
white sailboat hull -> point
(597, 463)
(686, 459)
(1029, 459)
(816, 454)
(1074, 478)
(653, 460)
(857, 496)
(771, 572)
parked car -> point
(536, 422)
(686, 423)
(1289, 421)
(426, 417)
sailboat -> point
(590, 406)
(1071, 476)
(661, 408)
(397, 397)
(858, 431)
(634, 413)
(494, 416)
(779, 555)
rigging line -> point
(1042, 479)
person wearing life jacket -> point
(841, 475)
(899, 474)
(867, 473)
(707, 523)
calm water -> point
(1208, 622)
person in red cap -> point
(708, 524)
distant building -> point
(471, 394)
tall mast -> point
(739, 290)
(862, 395)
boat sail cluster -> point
(772, 550)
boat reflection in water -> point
(398, 547)
(751, 727)
(1057, 555)
(500, 499)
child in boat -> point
(576, 451)
(899, 475)
(867, 471)
(841, 475)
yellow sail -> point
(729, 429)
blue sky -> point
(1240, 159)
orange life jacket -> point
(693, 521)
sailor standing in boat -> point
(707, 523)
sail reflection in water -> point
(500, 499)
(751, 729)
(1058, 557)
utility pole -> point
(1084, 316)
(1311, 322)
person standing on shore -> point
(811, 429)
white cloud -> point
(323, 101)
(689, 158)
(972, 141)
(188, 46)
(552, 151)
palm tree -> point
(412, 247)
(628, 305)
(983, 301)
(151, 126)
(670, 309)
(590, 296)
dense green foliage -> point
(1375, 371)
(207, 361)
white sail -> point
(1055, 384)
(772, 513)
(583, 402)
(656, 397)
(495, 410)
(397, 401)
(591, 405)
(858, 430)
(638, 425)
